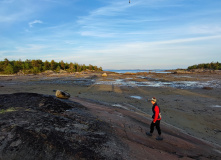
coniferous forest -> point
(38, 66)
(212, 65)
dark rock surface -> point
(41, 127)
(35, 126)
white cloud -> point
(206, 29)
(186, 40)
(168, 54)
(34, 22)
(13, 11)
(143, 55)
(102, 22)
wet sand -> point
(190, 102)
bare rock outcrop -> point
(40, 127)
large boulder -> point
(62, 94)
(104, 75)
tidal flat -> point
(190, 102)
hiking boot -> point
(148, 133)
(159, 138)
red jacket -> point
(156, 111)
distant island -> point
(38, 66)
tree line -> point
(212, 65)
(38, 66)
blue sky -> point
(113, 34)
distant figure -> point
(129, 1)
(156, 119)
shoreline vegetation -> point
(27, 67)
(38, 66)
(212, 65)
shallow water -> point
(120, 106)
(216, 106)
(136, 97)
(147, 81)
(138, 70)
(157, 83)
(81, 81)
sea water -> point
(138, 70)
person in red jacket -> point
(156, 119)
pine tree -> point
(46, 65)
(62, 65)
(9, 69)
(53, 65)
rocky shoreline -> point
(194, 71)
(189, 102)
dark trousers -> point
(157, 124)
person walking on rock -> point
(156, 119)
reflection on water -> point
(216, 106)
(136, 97)
(120, 106)
(143, 81)
(139, 70)
(174, 84)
